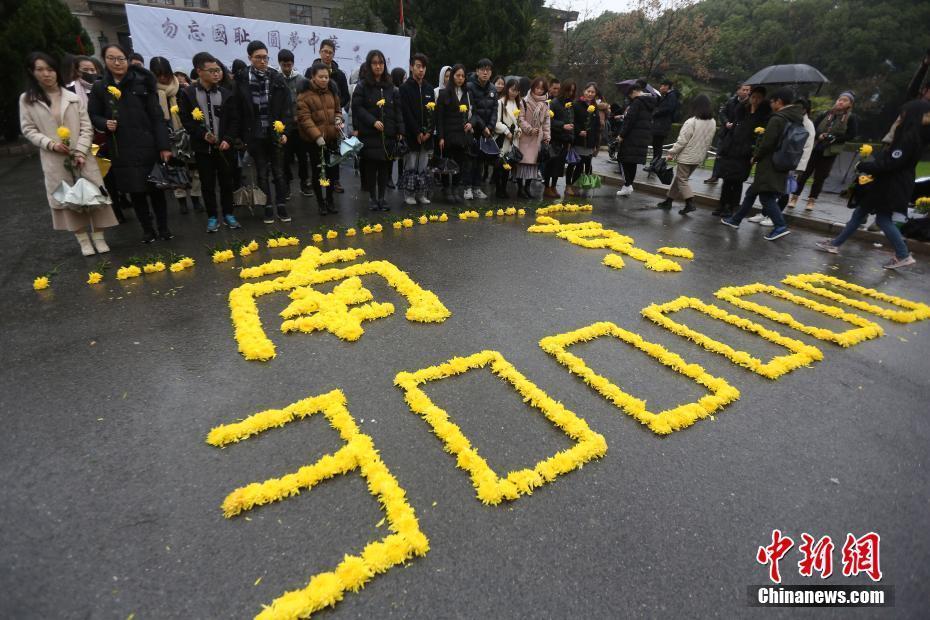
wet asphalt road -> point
(111, 498)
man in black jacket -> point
(264, 100)
(663, 117)
(338, 79)
(482, 105)
(417, 103)
(212, 135)
(296, 84)
(727, 120)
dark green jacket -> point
(768, 179)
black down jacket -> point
(141, 130)
(636, 130)
(450, 122)
(483, 105)
(279, 105)
(417, 117)
(366, 112)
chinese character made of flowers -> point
(340, 312)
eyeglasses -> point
(116, 59)
(213, 70)
(260, 58)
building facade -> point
(105, 20)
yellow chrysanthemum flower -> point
(551, 114)
(197, 114)
(63, 133)
(759, 130)
(516, 113)
(568, 105)
(174, 109)
(407, 222)
(423, 219)
(324, 182)
(865, 150)
(591, 109)
(380, 103)
(331, 234)
(317, 238)
(397, 225)
(507, 166)
(366, 230)
(117, 93)
(443, 218)
(377, 228)
(431, 106)
(94, 277)
(278, 127)
(463, 108)
(351, 232)
(865, 179)
(40, 283)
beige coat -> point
(40, 127)
(693, 141)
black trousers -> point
(731, 194)
(629, 173)
(216, 167)
(268, 158)
(657, 143)
(375, 174)
(295, 148)
(819, 167)
(555, 167)
(140, 204)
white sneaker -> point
(895, 263)
(766, 221)
(467, 195)
(756, 219)
(626, 190)
(410, 200)
(480, 194)
(423, 200)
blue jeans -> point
(883, 220)
(770, 208)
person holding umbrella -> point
(635, 134)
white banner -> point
(178, 35)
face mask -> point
(89, 77)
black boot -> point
(721, 211)
(330, 202)
(688, 208)
(665, 204)
(320, 201)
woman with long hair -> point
(562, 122)
(56, 122)
(886, 183)
(507, 131)
(635, 136)
(125, 105)
(734, 154)
(587, 132)
(690, 151)
(453, 129)
(169, 86)
(379, 124)
(534, 135)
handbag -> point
(489, 147)
(181, 145)
(444, 165)
(514, 156)
(81, 197)
(662, 170)
(164, 176)
(399, 148)
(572, 157)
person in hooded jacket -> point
(769, 182)
(635, 134)
(418, 105)
(885, 185)
(562, 128)
(482, 97)
(137, 137)
(340, 82)
(379, 124)
(320, 121)
(454, 130)
(264, 100)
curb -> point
(21, 149)
(820, 226)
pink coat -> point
(534, 123)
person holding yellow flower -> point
(454, 130)
(587, 130)
(124, 105)
(507, 131)
(56, 122)
(418, 104)
(379, 124)
(886, 182)
(319, 121)
(534, 135)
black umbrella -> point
(787, 74)
(625, 86)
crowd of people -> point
(216, 121)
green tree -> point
(27, 26)
(358, 15)
(506, 31)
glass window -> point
(301, 14)
(324, 16)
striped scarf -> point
(260, 86)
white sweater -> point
(693, 141)
(809, 145)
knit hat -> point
(849, 95)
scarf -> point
(167, 97)
(260, 86)
(536, 109)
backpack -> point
(791, 148)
